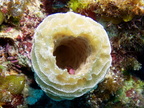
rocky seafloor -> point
(123, 20)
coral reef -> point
(109, 10)
(123, 21)
(131, 93)
(15, 45)
(62, 48)
(12, 10)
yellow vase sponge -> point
(70, 55)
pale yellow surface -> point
(70, 40)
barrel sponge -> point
(70, 55)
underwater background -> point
(123, 20)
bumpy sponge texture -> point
(70, 55)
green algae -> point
(131, 93)
(78, 4)
(1, 17)
(14, 83)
